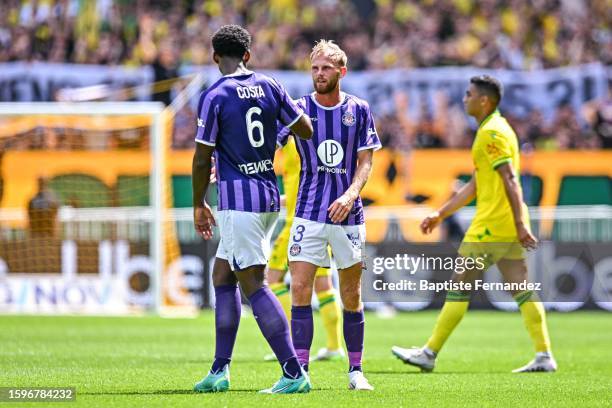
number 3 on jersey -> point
(254, 124)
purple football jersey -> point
(329, 159)
(239, 115)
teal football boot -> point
(289, 386)
(219, 382)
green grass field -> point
(151, 361)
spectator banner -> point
(525, 91)
(26, 82)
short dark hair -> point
(231, 41)
(488, 86)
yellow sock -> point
(534, 317)
(330, 314)
(284, 297)
(452, 312)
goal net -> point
(86, 220)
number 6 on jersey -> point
(254, 124)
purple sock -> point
(273, 325)
(227, 318)
(354, 328)
(302, 328)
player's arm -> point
(200, 178)
(341, 208)
(292, 115)
(463, 197)
(302, 128)
(515, 198)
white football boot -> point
(416, 356)
(542, 363)
(358, 382)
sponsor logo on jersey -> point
(331, 170)
(256, 167)
(330, 153)
(200, 122)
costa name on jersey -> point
(329, 159)
(245, 92)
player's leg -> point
(302, 325)
(347, 243)
(353, 324)
(247, 237)
(307, 251)
(227, 312)
(270, 317)
(276, 282)
(330, 315)
(534, 316)
(227, 320)
(275, 328)
(454, 308)
(277, 268)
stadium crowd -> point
(515, 34)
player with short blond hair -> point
(335, 165)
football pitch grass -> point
(151, 361)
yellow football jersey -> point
(291, 180)
(291, 175)
(495, 144)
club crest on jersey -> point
(348, 119)
(354, 238)
(295, 250)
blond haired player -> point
(335, 166)
(277, 266)
(499, 231)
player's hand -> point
(213, 171)
(430, 222)
(526, 238)
(341, 208)
(204, 221)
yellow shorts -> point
(323, 272)
(492, 249)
